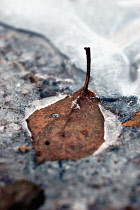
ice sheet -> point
(71, 30)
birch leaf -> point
(70, 128)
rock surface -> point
(21, 195)
(32, 69)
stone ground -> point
(31, 68)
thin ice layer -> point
(70, 32)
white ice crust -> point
(72, 25)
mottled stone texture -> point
(21, 195)
(30, 69)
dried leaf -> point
(23, 148)
(70, 128)
(134, 122)
(21, 195)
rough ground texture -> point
(21, 195)
(30, 69)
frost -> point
(112, 126)
(12, 128)
(75, 104)
(18, 84)
(1, 129)
(55, 115)
(112, 129)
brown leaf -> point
(70, 128)
(21, 195)
(23, 148)
(134, 122)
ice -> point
(112, 130)
(55, 115)
(72, 25)
(39, 104)
(112, 124)
(1, 129)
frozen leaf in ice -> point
(70, 128)
(134, 122)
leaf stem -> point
(85, 88)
